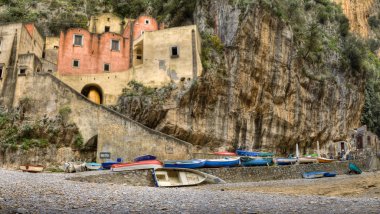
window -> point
(22, 72)
(174, 52)
(76, 63)
(108, 19)
(1, 72)
(107, 29)
(106, 67)
(78, 40)
(55, 47)
(115, 45)
(147, 21)
(0, 42)
(50, 71)
(142, 33)
(138, 57)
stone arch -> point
(93, 92)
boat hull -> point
(286, 161)
(254, 161)
(325, 160)
(32, 168)
(176, 177)
(254, 154)
(226, 162)
(225, 153)
(93, 166)
(148, 164)
(330, 174)
(107, 165)
(307, 160)
(354, 168)
(145, 158)
(312, 175)
(187, 164)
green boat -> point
(354, 168)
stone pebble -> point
(52, 193)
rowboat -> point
(225, 162)
(330, 174)
(189, 164)
(315, 174)
(147, 164)
(324, 160)
(353, 168)
(286, 161)
(256, 161)
(175, 177)
(307, 160)
(32, 168)
(225, 153)
(93, 166)
(144, 158)
(108, 164)
(254, 154)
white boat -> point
(32, 168)
(176, 177)
(93, 166)
(307, 160)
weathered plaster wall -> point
(117, 134)
(51, 52)
(98, 23)
(141, 26)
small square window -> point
(174, 52)
(76, 63)
(22, 72)
(1, 72)
(147, 21)
(115, 45)
(139, 57)
(50, 71)
(107, 29)
(56, 47)
(106, 67)
(78, 40)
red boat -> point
(148, 164)
(225, 153)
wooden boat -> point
(286, 161)
(189, 164)
(108, 164)
(144, 158)
(324, 160)
(175, 177)
(225, 162)
(32, 168)
(254, 154)
(225, 153)
(307, 160)
(330, 174)
(256, 161)
(93, 166)
(315, 174)
(147, 164)
(354, 169)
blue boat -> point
(189, 164)
(254, 154)
(256, 161)
(315, 174)
(330, 174)
(354, 169)
(108, 164)
(286, 161)
(225, 162)
(144, 158)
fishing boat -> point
(189, 164)
(147, 164)
(225, 162)
(93, 166)
(225, 153)
(32, 168)
(175, 177)
(254, 154)
(330, 174)
(315, 174)
(108, 164)
(145, 158)
(324, 160)
(354, 169)
(256, 161)
(306, 160)
(286, 161)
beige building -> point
(107, 22)
(21, 47)
(50, 54)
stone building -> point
(21, 48)
(101, 60)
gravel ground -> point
(51, 193)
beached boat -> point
(254, 154)
(330, 174)
(108, 164)
(189, 164)
(315, 174)
(286, 161)
(225, 153)
(93, 166)
(305, 160)
(175, 177)
(354, 169)
(225, 162)
(324, 160)
(32, 168)
(256, 161)
(147, 164)
(145, 158)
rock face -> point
(358, 11)
(261, 96)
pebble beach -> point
(22, 192)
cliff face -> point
(258, 94)
(358, 11)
